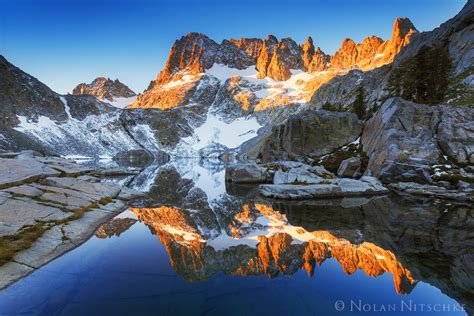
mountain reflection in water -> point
(259, 240)
(239, 233)
(222, 244)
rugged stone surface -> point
(310, 134)
(298, 181)
(17, 171)
(288, 172)
(350, 168)
(373, 51)
(249, 173)
(404, 139)
(463, 194)
(324, 188)
(42, 216)
(104, 89)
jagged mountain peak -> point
(194, 55)
(401, 27)
(104, 89)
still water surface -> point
(196, 247)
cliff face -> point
(374, 52)
(194, 57)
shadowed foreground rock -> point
(43, 215)
(403, 139)
(310, 134)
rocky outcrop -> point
(104, 89)
(374, 52)
(266, 55)
(310, 134)
(47, 207)
(194, 52)
(403, 140)
(350, 168)
(298, 181)
(22, 94)
(332, 188)
(249, 173)
(184, 89)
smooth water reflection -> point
(196, 247)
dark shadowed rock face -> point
(104, 89)
(404, 139)
(32, 116)
(310, 133)
(22, 94)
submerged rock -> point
(464, 193)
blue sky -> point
(65, 42)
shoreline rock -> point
(333, 188)
(48, 206)
(297, 181)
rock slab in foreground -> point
(60, 212)
(324, 189)
(17, 171)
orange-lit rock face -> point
(373, 52)
(194, 54)
(166, 96)
(259, 240)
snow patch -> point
(215, 131)
(293, 87)
(121, 103)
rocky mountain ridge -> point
(195, 57)
(105, 89)
(35, 117)
(455, 35)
